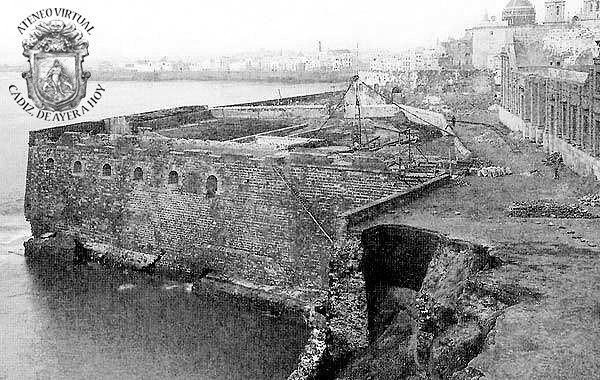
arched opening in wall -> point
(173, 178)
(138, 174)
(50, 163)
(77, 167)
(395, 263)
(106, 170)
(400, 263)
(211, 186)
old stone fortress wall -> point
(237, 208)
(244, 192)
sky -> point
(125, 30)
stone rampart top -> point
(231, 121)
(293, 151)
(322, 98)
(195, 131)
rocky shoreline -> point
(431, 324)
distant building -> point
(519, 12)
(488, 39)
(410, 60)
(224, 64)
(555, 11)
(164, 65)
(181, 66)
(343, 60)
(106, 66)
(457, 53)
(590, 10)
(239, 65)
(149, 66)
(559, 39)
(143, 66)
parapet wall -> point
(153, 120)
(321, 98)
(54, 133)
(410, 114)
(169, 118)
(272, 112)
(255, 226)
(314, 106)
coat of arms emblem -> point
(56, 80)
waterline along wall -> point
(214, 190)
(559, 109)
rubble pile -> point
(491, 171)
(548, 209)
(490, 138)
(590, 200)
(555, 159)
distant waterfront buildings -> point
(321, 61)
(457, 53)
(333, 60)
(410, 60)
(147, 65)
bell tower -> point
(555, 11)
(590, 10)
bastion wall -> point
(254, 214)
(152, 195)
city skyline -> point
(135, 31)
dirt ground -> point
(556, 336)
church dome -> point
(519, 12)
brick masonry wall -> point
(255, 229)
